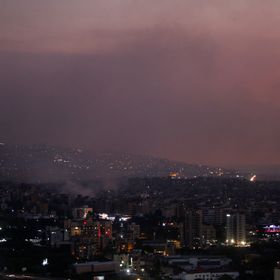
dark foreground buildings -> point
(151, 228)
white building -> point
(236, 229)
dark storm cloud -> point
(192, 90)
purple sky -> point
(191, 80)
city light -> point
(253, 178)
(45, 262)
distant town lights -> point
(253, 178)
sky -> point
(191, 80)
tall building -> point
(89, 236)
(135, 231)
(277, 272)
(236, 229)
(88, 242)
(213, 216)
(208, 233)
(192, 230)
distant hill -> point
(47, 164)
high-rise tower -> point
(236, 229)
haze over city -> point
(195, 81)
(139, 140)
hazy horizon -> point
(187, 80)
